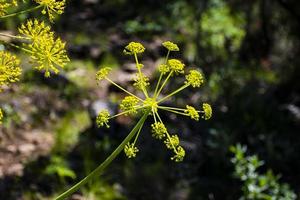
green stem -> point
(172, 108)
(157, 85)
(124, 90)
(164, 83)
(103, 165)
(13, 36)
(140, 74)
(18, 47)
(161, 75)
(21, 12)
(127, 111)
(138, 134)
(168, 135)
(174, 111)
(173, 93)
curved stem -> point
(21, 12)
(103, 165)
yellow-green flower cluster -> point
(10, 70)
(102, 73)
(46, 52)
(1, 116)
(172, 141)
(158, 130)
(134, 48)
(192, 112)
(130, 150)
(4, 5)
(140, 81)
(103, 118)
(150, 104)
(194, 78)
(176, 66)
(180, 154)
(207, 111)
(163, 68)
(34, 30)
(129, 105)
(52, 7)
(170, 46)
(49, 54)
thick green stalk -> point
(103, 165)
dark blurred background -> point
(249, 52)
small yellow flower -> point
(1, 116)
(194, 78)
(192, 112)
(170, 46)
(151, 104)
(4, 5)
(48, 54)
(10, 70)
(176, 66)
(103, 118)
(129, 104)
(52, 7)
(163, 68)
(207, 111)
(158, 130)
(34, 29)
(140, 81)
(179, 154)
(130, 150)
(134, 48)
(102, 73)
(172, 142)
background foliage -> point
(249, 52)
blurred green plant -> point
(99, 189)
(221, 28)
(257, 186)
(70, 126)
(58, 166)
(135, 27)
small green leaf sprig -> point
(257, 185)
(151, 104)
